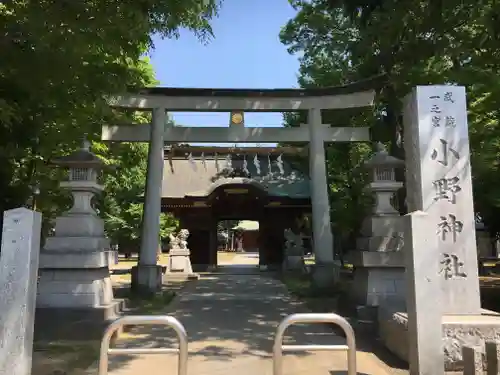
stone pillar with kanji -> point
(439, 185)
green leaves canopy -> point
(122, 206)
(60, 59)
(412, 43)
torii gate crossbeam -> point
(233, 134)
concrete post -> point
(492, 349)
(426, 354)
(18, 277)
(322, 235)
(147, 274)
(473, 360)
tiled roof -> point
(183, 177)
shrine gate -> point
(159, 100)
(205, 185)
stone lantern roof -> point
(82, 158)
(381, 158)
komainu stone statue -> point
(182, 237)
(174, 241)
(179, 261)
(294, 251)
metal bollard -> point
(279, 348)
(492, 357)
(473, 360)
(169, 321)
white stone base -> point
(75, 259)
(76, 244)
(293, 263)
(79, 224)
(458, 330)
(74, 288)
(62, 323)
(378, 277)
(74, 278)
(180, 263)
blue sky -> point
(244, 53)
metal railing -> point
(169, 321)
(279, 348)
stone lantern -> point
(84, 168)
(383, 185)
(74, 263)
(377, 260)
(380, 230)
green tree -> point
(325, 62)
(60, 61)
(410, 43)
(124, 183)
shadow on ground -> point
(227, 317)
(231, 319)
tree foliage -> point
(60, 60)
(122, 205)
(411, 43)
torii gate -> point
(160, 100)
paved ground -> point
(231, 320)
(241, 260)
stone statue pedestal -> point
(294, 252)
(294, 263)
(179, 263)
(294, 259)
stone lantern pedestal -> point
(74, 278)
(378, 262)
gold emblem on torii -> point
(237, 118)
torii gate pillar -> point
(147, 275)
(324, 269)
